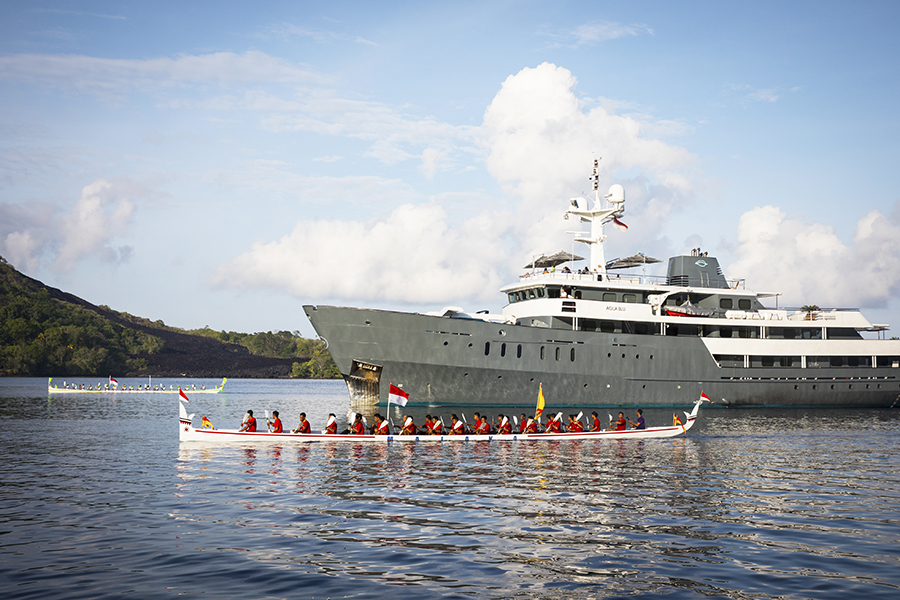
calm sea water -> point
(99, 499)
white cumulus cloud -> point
(412, 256)
(809, 264)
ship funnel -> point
(616, 195)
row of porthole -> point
(849, 386)
(487, 351)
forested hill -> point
(47, 332)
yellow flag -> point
(540, 402)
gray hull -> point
(460, 362)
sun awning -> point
(636, 260)
(546, 261)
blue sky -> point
(222, 164)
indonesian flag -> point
(703, 396)
(113, 382)
(183, 396)
(620, 225)
(397, 396)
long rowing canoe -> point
(187, 433)
(142, 389)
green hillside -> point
(47, 332)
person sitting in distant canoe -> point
(428, 425)
(574, 425)
(504, 427)
(357, 428)
(595, 422)
(554, 425)
(275, 425)
(437, 426)
(249, 422)
(457, 427)
(303, 426)
(640, 420)
(382, 427)
(619, 424)
(531, 426)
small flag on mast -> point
(113, 382)
(620, 225)
(397, 396)
(540, 403)
(183, 396)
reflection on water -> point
(101, 500)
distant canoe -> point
(53, 389)
(187, 433)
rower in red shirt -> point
(249, 422)
(331, 425)
(523, 423)
(574, 426)
(409, 428)
(357, 428)
(620, 423)
(457, 426)
(382, 427)
(303, 427)
(553, 426)
(531, 426)
(275, 426)
(437, 426)
(595, 424)
(482, 427)
(429, 424)
(505, 427)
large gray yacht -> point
(597, 337)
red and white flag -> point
(397, 396)
(620, 225)
(703, 396)
(113, 382)
(183, 396)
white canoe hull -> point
(187, 433)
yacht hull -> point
(460, 362)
